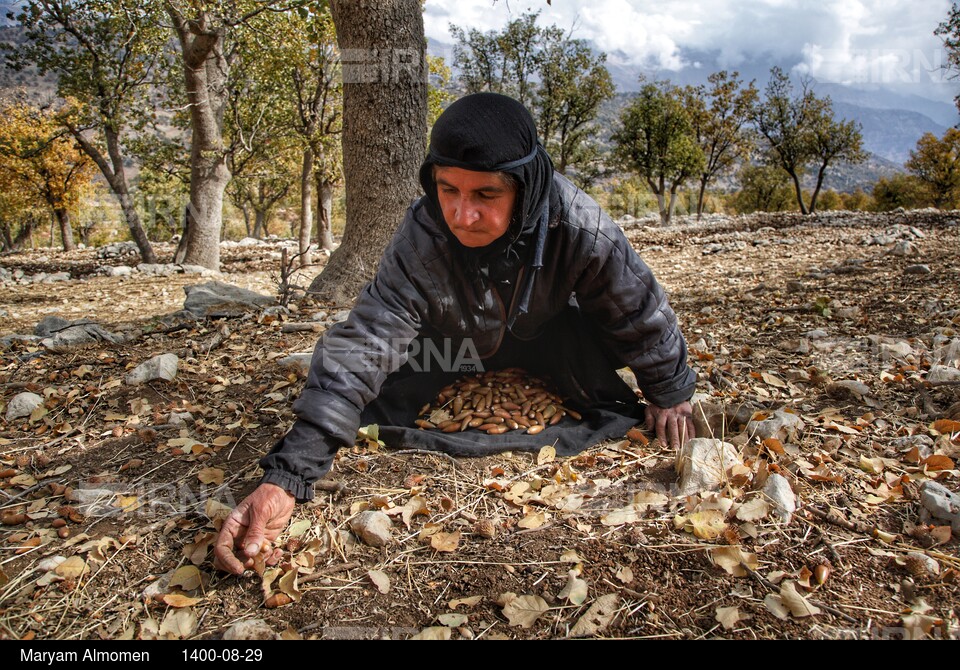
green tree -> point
(558, 78)
(573, 85)
(832, 141)
(719, 116)
(105, 54)
(656, 141)
(936, 165)
(763, 188)
(900, 190)
(801, 132)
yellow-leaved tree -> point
(43, 164)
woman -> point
(506, 258)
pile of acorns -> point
(495, 402)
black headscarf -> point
(489, 132)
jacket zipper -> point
(503, 309)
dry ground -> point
(590, 545)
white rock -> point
(778, 490)
(899, 351)
(163, 366)
(372, 528)
(22, 405)
(50, 563)
(119, 270)
(250, 629)
(941, 503)
(703, 465)
(904, 248)
(783, 426)
(949, 354)
(180, 418)
(918, 269)
(941, 374)
(817, 334)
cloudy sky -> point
(889, 43)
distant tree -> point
(801, 132)
(720, 116)
(900, 190)
(310, 65)
(438, 94)
(104, 54)
(949, 32)
(832, 141)
(558, 78)
(573, 84)
(44, 162)
(763, 188)
(936, 164)
(656, 141)
(503, 62)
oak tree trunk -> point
(66, 230)
(205, 72)
(325, 215)
(382, 49)
(306, 208)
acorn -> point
(485, 528)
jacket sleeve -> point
(349, 365)
(617, 288)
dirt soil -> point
(109, 509)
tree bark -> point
(66, 230)
(382, 48)
(799, 189)
(205, 71)
(115, 174)
(306, 208)
(700, 197)
(325, 215)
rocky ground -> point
(829, 362)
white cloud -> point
(847, 41)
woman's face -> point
(477, 206)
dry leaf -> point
(211, 476)
(570, 556)
(532, 521)
(576, 589)
(946, 426)
(414, 507)
(753, 510)
(216, 511)
(447, 542)
(222, 441)
(619, 517)
(798, 605)
(433, 633)
(179, 600)
(871, 465)
(188, 578)
(938, 462)
(288, 585)
(178, 624)
(471, 601)
(278, 599)
(452, 619)
(774, 604)
(598, 617)
(547, 455)
(919, 626)
(733, 560)
(625, 574)
(728, 617)
(707, 525)
(523, 611)
(300, 527)
(380, 580)
(72, 568)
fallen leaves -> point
(445, 542)
(523, 611)
(789, 602)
